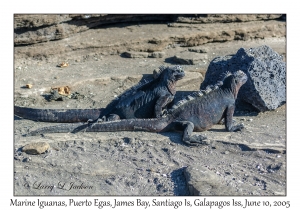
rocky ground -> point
(106, 60)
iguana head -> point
(175, 73)
(172, 73)
(235, 81)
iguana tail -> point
(57, 115)
(150, 125)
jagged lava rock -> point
(266, 71)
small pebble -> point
(26, 159)
(29, 86)
(36, 148)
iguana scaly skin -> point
(198, 113)
(57, 115)
(147, 99)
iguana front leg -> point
(229, 123)
(162, 102)
(187, 127)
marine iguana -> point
(147, 99)
(199, 112)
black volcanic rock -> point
(266, 71)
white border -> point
(154, 6)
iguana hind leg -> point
(187, 127)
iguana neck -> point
(171, 87)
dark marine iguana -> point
(147, 99)
(199, 112)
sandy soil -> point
(250, 162)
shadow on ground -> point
(180, 185)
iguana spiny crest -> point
(200, 93)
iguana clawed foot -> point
(238, 127)
(195, 140)
(112, 117)
(92, 122)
